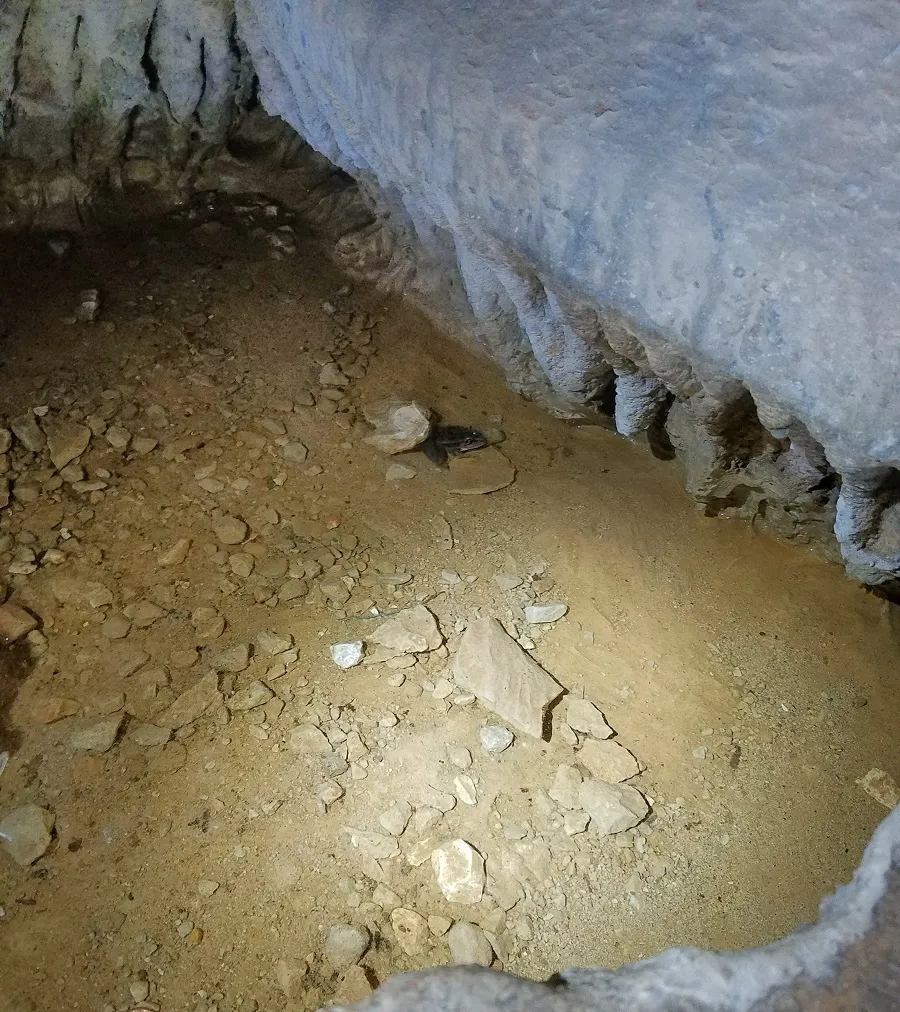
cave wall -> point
(688, 210)
(697, 202)
(691, 205)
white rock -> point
(26, 832)
(206, 887)
(459, 871)
(347, 655)
(494, 667)
(346, 944)
(398, 426)
(583, 716)
(613, 808)
(465, 790)
(411, 930)
(608, 761)
(468, 945)
(495, 738)
(540, 614)
(507, 581)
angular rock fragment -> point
(459, 871)
(882, 787)
(346, 944)
(469, 945)
(608, 761)
(176, 554)
(26, 832)
(411, 930)
(398, 426)
(496, 669)
(28, 432)
(66, 440)
(583, 716)
(200, 698)
(255, 694)
(97, 737)
(541, 614)
(613, 808)
(15, 623)
(347, 655)
(48, 711)
(413, 631)
(565, 787)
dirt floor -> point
(202, 866)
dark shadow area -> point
(15, 666)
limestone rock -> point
(308, 738)
(566, 785)
(411, 930)
(347, 655)
(202, 697)
(495, 738)
(496, 669)
(414, 630)
(480, 473)
(608, 761)
(255, 694)
(398, 426)
(15, 623)
(48, 711)
(28, 432)
(66, 440)
(469, 945)
(176, 554)
(541, 614)
(97, 737)
(346, 944)
(396, 818)
(231, 530)
(26, 832)
(882, 787)
(613, 808)
(459, 871)
(233, 659)
(583, 716)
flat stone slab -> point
(500, 673)
(26, 832)
(480, 472)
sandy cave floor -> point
(201, 873)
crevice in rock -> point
(16, 64)
(148, 64)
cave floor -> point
(751, 680)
